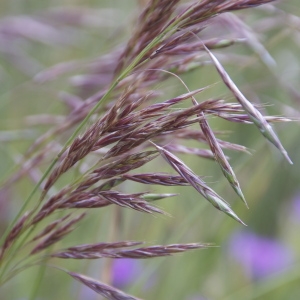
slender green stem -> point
(25, 204)
(137, 61)
(38, 280)
(13, 251)
(16, 272)
(125, 73)
(170, 29)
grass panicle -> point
(122, 125)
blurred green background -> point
(257, 262)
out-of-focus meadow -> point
(260, 261)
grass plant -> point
(127, 138)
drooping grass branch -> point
(125, 126)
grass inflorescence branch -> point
(129, 126)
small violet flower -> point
(260, 256)
(125, 271)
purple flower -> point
(125, 271)
(260, 256)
